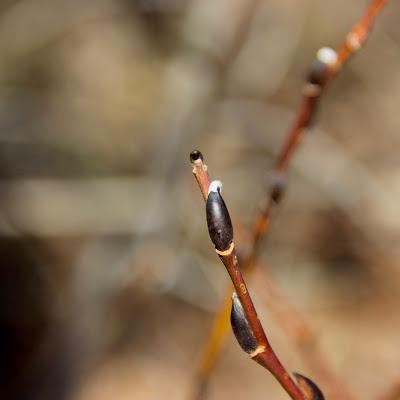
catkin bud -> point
(218, 219)
(325, 58)
(240, 326)
(309, 389)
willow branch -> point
(327, 65)
(221, 234)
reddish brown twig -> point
(326, 67)
(302, 334)
(356, 37)
(263, 353)
(200, 172)
(221, 234)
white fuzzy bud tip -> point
(215, 186)
(327, 55)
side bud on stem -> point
(326, 58)
(218, 219)
(309, 389)
(240, 326)
(277, 187)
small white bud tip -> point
(215, 186)
(327, 55)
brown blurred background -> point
(108, 279)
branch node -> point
(227, 252)
(257, 351)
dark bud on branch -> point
(317, 73)
(195, 155)
(218, 219)
(240, 326)
(309, 389)
(326, 57)
(277, 187)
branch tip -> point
(196, 155)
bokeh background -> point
(108, 279)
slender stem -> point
(268, 361)
(200, 172)
(302, 119)
(357, 36)
(353, 41)
(264, 353)
(232, 265)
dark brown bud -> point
(277, 187)
(195, 155)
(325, 58)
(309, 389)
(218, 219)
(317, 73)
(240, 326)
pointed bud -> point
(309, 389)
(218, 219)
(240, 326)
